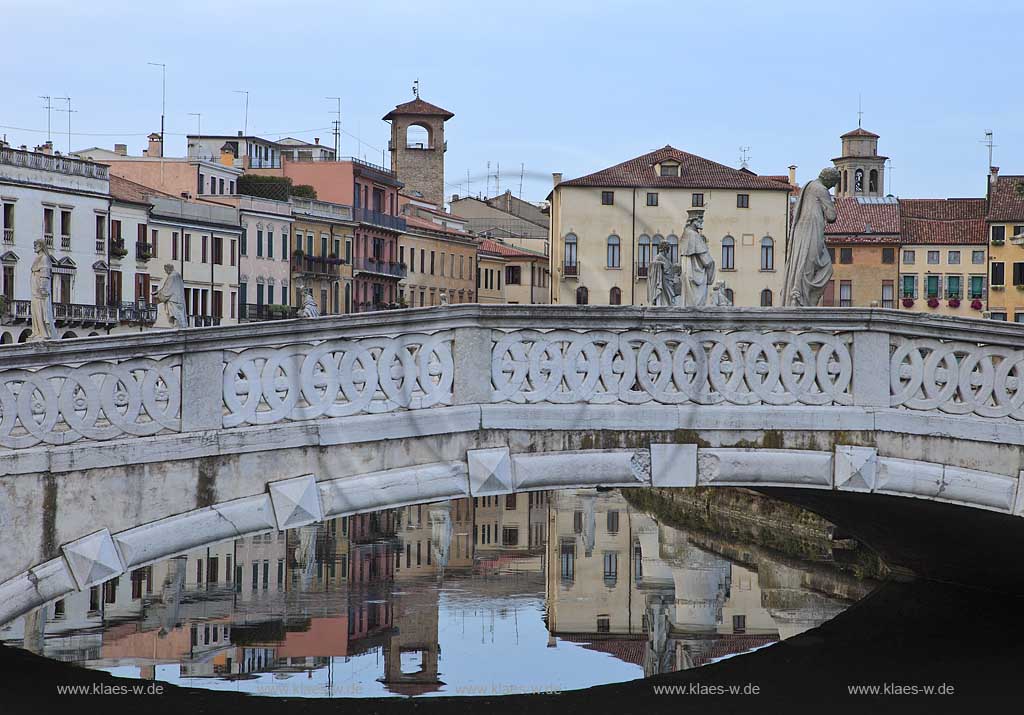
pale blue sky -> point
(557, 86)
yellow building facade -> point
(512, 274)
(1005, 236)
(321, 255)
(605, 227)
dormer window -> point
(669, 169)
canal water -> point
(535, 592)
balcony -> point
(65, 242)
(317, 266)
(571, 270)
(143, 251)
(380, 267)
(641, 271)
(203, 321)
(138, 313)
(64, 314)
(48, 240)
(48, 162)
(252, 312)
(379, 219)
(117, 248)
(8, 235)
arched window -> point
(582, 296)
(570, 265)
(673, 247)
(417, 136)
(25, 335)
(873, 181)
(615, 296)
(858, 181)
(766, 298)
(767, 254)
(728, 253)
(643, 254)
(6, 338)
(614, 256)
(658, 238)
(729, 295)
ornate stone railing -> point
(288, 371)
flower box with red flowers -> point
(977, 304)
(933, 302)
(908, 302)
(954, 303)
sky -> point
(538, 87)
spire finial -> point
(416, 89)
(860, 111)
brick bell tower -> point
(417, 146)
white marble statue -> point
(309, 306)
(172, 297)
(809, 266)
(662, 279)
(697, 265)
(444, 297)
(43, 325)
(719, 296)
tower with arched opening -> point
(861, 169)
(417, 147)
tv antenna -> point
(337, 127)
(988, 141)
(70, 111)
(49, 107)
(744, 156)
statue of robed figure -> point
(809, 264)
(172, 297)
(663, 279)
(698, 267)
(43, 325)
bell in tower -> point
(861, 168)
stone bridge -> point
(116, 452)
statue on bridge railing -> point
(172, 297)
(809, 266)
(663, 280)
(43, 325)
(720, 295)
(309, 307)
(698, 267)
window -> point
(613, 251)
(582, 297)
(652, 198)
(977, 257)
(933, 258)
(570, 254)
(931, 286)
(202, 184)
(908, 258)
(998, 274)
(998, 234)
(888, 294)
(888, 255)
(697, 200)
(613, 522)
(953, 258)
(1018, 274)
(203, 244)
(1000, 315)
(977, 287)
(509, 536)
(766, 298)
(845, 294)
(728, 253)
(187, 240)
(767, 254)
(739, 622)
(743, 201)
(607, 198)
(513, 275)
(858, 181)
(669, 170)
(673, 247)
(873, 181)
(615, 296)
(603, 624)
(218, 250)
(908, 287)
(954, 287)
(846, 255)
(567, 559)
(611, 568)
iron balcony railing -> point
(316, 265)
(117, 248)
(571, 270)
(143, 251)
(378, 218)
(261, 311)
(138, 313)
(8, 235)
(20, 311)
(381, 267)
(203, 321)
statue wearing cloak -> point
(809, 264)
(697, 264)
(662, 279)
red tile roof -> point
(858, 132)
(503, 249)
(418, 106)
(1005, 204)
(943, 221)
(695, 172)
(861, 222)
(132, 192)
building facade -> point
(439, 254)
(1004, 233)
(506, 218)
(943, 257)
(606, 227)
(321, 257)
(865, 243)
(511, 274)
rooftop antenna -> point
(487, 186)
(888, 164)
(860, 111)
(49, 107)
(245, 126)
(70, 111)
(163, 112)
(497, 179)
(199, 128)
(469, 185)
(744, 156)
(522, 170)
(337, 127)
(987, 141)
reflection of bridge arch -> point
(164, 438)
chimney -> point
(993, 176)
(156, 147)
(455, 197)
(227, 155)
(46, 148)
(792, 174)
(316, 140)
(239, 132)
(121, 149)
(557, 177)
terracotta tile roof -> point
(628, 650)
(503, 249)
(864, 222)
(858, 132)
(695, 172)
(428, 225)
(132, 192)
(418, 106)
(943, 221)
(1005, 204)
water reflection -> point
(518, 593)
